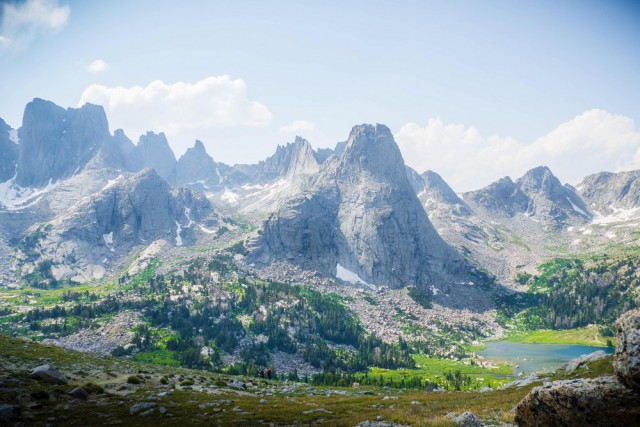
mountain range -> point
(77, 200)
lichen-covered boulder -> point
(600, 401)
(626, 360)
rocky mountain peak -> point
(541, 180)
(373, 149)
(291, 159)
(56, 143)
(438, 188)
(196, 166)
(361, 216)
(157, 154)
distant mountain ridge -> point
(355, 208)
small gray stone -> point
(79, 393)
(467, 419)
(142, 406)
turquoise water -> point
(537, 357)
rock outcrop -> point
(627, 356)
(361, 214)
(56, 143)
(196, 167)
(600, 401)
(603, 401)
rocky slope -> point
(127, 212)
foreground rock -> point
(594, 402)
(627, 357)
(467, 419)
(8, 412)
(604, 401)
(48, 374)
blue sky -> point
(448, 78)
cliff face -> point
(361, 213)
(56, 143)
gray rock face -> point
(141, 208)
(627, 356)
(322, 154)
(119, 152)
(197, 167)
(361, 212)
(157, 154)
(583, 402)
(606, 191)
(48, 374)
(128, 212)
(8, 152)
(538, 194)
(56, 143)
(291, 159)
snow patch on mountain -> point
(13, 136)
(349, 276)
(108, 240)
(619, 215)
(178, 236)
(14, 197)
(577, 209)
(229, 196)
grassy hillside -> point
(193, 397)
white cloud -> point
(21, 22)
(591, 142)
(179, 109)
(97, 66)
(297, 127)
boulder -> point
(8, 412)
(600, 401)
(467, 419)
(582, 360)
(48, 374)
(79, 393)
(626, 360)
